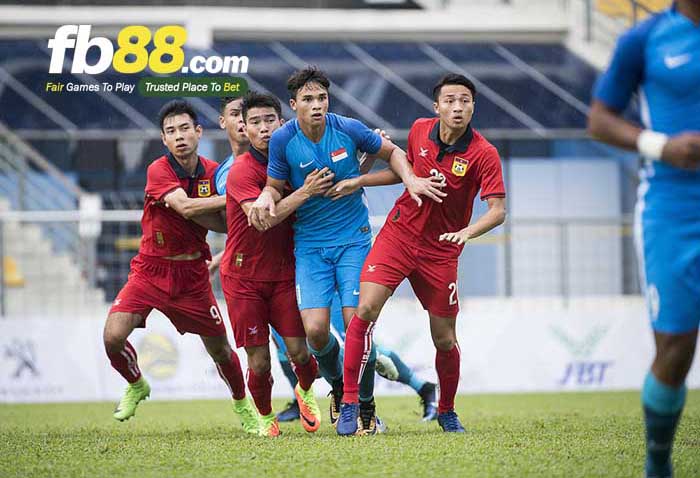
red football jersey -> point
(165, 232)
(263, 256)
(470, 165)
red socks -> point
(232, 374)
(447, 366)
(358, 345)
(306, 373)
(125, 363)
(260, 387)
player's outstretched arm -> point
(368, 160)
(607, 125)
(348, 186)
(263, 208)
(189, 207)
(214, 221)
(416, 187)
(495, 216)
(316, 183)
(384, 177)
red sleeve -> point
(491, 175)
(242, 183)
(160, 180)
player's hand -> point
(261, 210)
(318, 181)
(429, 187)
(213, 265)
(460, 237)
(344, 188)
(683, 151)
(383, 134)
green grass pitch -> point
(539, 435)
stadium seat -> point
(11, 273)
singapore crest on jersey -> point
(460, 166)
(204, 188)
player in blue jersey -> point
(389, 365)
(660, 59)
(230, 120)
(332, 234)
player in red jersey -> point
(423, 242)
(169, 273)
(257, 270)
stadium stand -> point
(532, 104)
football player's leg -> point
(673, 301)
(229, 368)
(283, 358)
(427, 391)
(122, 356)
(306, 368)
(260, 385)
(358, 353)
(291, 410)
(121, 353)
(227, 364)
(129, 311)
(198, 313)
(663, 397)
(361, 308)
(315, 286)
(286, 319)
(435, 285)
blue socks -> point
(406, 375)
(662, 405)
(367, 381)
(330, 361)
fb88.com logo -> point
(132, 55)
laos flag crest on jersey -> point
(460, 166)
(204, 188)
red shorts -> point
(434, 279)
(255, 305)
(179, 289)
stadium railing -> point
(527, 257)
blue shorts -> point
(669, 256)
(321, 271)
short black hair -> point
(225, 101)
(177, 107)
(254, 99)
(453, 79)
(310, 74)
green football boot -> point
(248, 415)
(135, 392)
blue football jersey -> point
(660, 60)
(292, 156)
(222, 173)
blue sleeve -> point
(625, 73)
(277, 165)
(221, 174)
(366, 140)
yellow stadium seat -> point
(622, 8)
(11, 273)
